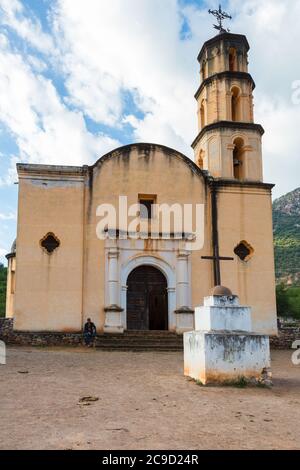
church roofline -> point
(26, 170)
(227, 74)
(221, 37)
(36, 170)
(228, 125)
(146, 147)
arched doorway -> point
(147, 299)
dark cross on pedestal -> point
(217, 268)
(216, 258)
(221, 16)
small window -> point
(238, 159)
(50, 243)
(202, 114)
(146, 207)
(244, 251)
(235, 104)
(201, 159)
(232, 59)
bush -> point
(288, 301)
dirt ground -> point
(144, 403)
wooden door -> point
(147, 301)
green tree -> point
(282, 300)
(3, 276)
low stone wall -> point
(36, 338)
(285, 339)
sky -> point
(79, 78)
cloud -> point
(45, 129)
(100, 50)
(9, 216)
(30, 29)
(3, 252)
(103, 55)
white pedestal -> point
(184, 320)
(113, 320)
(223, 348)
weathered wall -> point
(218, 146)
(132, 171)
(245, 214)
(49, 287)
(58, 292)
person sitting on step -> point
(89, 333)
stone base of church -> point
(113, 320)
(227, 357)
(184, 320)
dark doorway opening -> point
(147, 299)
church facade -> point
(60, 272)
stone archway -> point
(147, 299)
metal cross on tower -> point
(221, 16)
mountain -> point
(286, 223)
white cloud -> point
(3, 252)
(9, 216)
(281, 147)
(13, 16)
(103, 48)
(130, 45)
(45, 130)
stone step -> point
(140, 341)
(144, 334)
(138, 344)
(138, 347)
(139, 338)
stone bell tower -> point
(229, 142)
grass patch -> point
(239, 382)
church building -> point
(60, 272)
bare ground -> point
(144, 403)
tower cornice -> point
(228, 125)
(227, 75)
(223, 37)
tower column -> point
(113, 312)
(184, 314)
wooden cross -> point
(217, 267)
(216, 258)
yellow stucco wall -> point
(58, 292)
(159, 173)
(49, 288)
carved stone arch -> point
(200, 160)
(238, 159)
(203, 113)
(240, 135)
(164, 267)
(233, 59)
(236, 103)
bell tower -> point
(228, 145)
